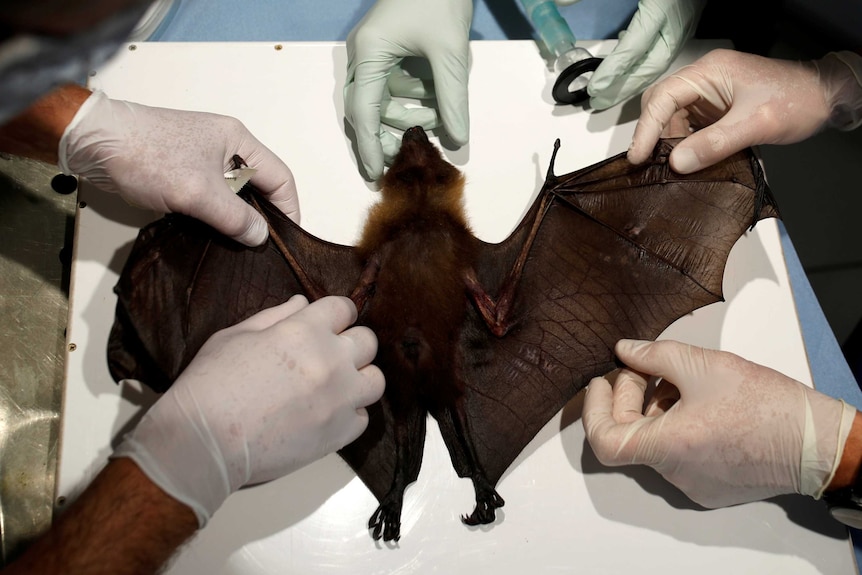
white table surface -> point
(564, 511)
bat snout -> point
(415, 134)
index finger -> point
(335, 312)
(363, 95)
(450, 82)
(658, 105)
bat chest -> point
(418, 310)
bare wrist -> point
(851, 457)
(35, 133)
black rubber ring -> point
(561, 91)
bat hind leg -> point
(487, 502)
(385, 522)
(455, 432)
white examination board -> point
(564, 512)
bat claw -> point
(487, 501)
(386, 522)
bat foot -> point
(487, 501)
(386, 521)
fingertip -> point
(458, 127)
(598, 398)
(635, 153)
(379, 382)
(630, 347)
(684, 160)
(371, 388)
(371, 156)
(373, 171)
(298, 299)
(600, 103)
(347, 305)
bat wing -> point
(622, 251)
(183, 281)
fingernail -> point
(684, 161)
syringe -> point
(570, 61)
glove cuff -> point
(175, 449)
(841, 78)
(827, 425)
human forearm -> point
(36, 132)
(851, 457)
(122, 524)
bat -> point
(492, 340)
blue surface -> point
(304, 20)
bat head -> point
(420, 173)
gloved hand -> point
(175, 161)
(738, 432)
(656, 34)
(740, 100)
(259, 400)
(389, 32)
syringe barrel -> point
(551, 26)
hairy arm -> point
(122, 524)
(851, 457)
(36, 132)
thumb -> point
(676, 362)
(712, 144)
(230, 215)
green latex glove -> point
(658, 31)
(391, 31)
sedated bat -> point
(492, 340)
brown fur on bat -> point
(490, 339)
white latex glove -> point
(175, 161)
(738, 432)
(655, 36)
(737, 100)
(391, 31)
(260, 399)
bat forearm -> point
(310, 288)
(497, 313)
